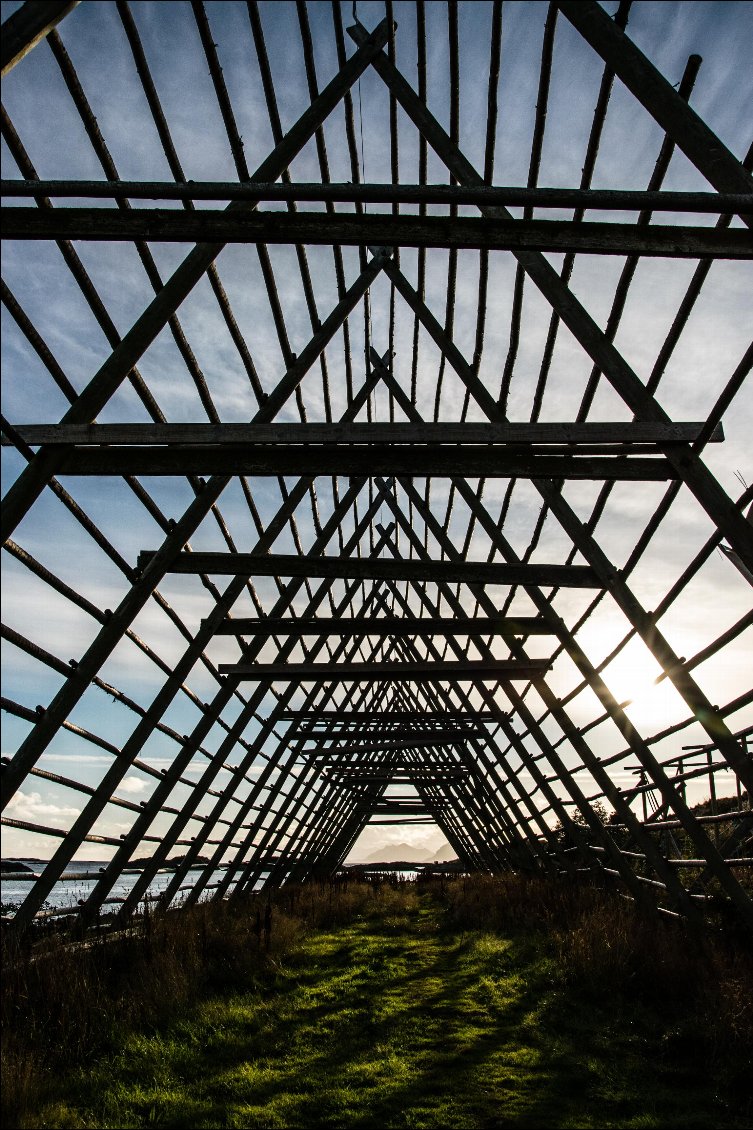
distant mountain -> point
(396, 853)
(443, 854)
(409, 853)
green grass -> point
(399, 1019)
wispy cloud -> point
(34, 808)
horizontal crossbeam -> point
(365, 731)
(169, 225)
(439, 461)
(407, 626)
(547, 432)
(437, 738)
(473, 670)
(409, 769)
(376, 741)
(512, 196)
(389, 714)
(445, 740)
(407, 819)
(395, 765)
(376, 569)
(394, 808)
(335, 732)
(353, 782)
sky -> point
(709, 349)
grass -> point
(486, 1003)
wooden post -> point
(28, 26)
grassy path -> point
(392, 1022)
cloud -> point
(84, 758)
(32, 807)
(133, 785)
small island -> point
(14, 867)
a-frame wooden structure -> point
(404, 636)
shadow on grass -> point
(395, 1023)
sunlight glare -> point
(632, 678)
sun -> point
(632, 677)
(637, 682)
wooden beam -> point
(348, 193)
(352, 781)
(385, 716)
(492, 432)
(397, 736)
(394, 808)
(375, 569)
(398, 765)
(445, 626)
(473, 670)
(361, 731)
(423, 461)
(169, 225)
(377, 736)
(22, 31)
(355, 767)
(408, 799)
(408, 741)
(688, 131)
(372, 822)
(368, 784)
(378, 739)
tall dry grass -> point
(64, 1001)
(700, 982)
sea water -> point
(70, 891)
